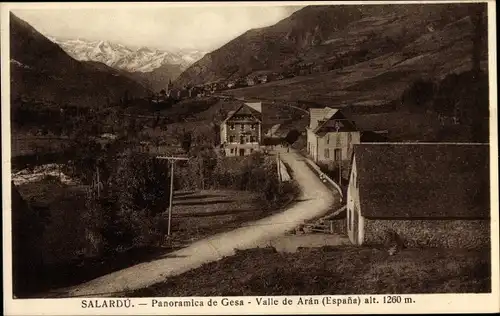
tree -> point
(466, 96)
(292, 136)
(128, 212)
(186, 141)
(418, 95)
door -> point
(242, 152)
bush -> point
(127, 213)
(255, 173)
(419, 94)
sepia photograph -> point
(300, 153)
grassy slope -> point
(379, 80)
(340, 270)
(376, 85)
(199, 214)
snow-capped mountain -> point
(122, 57)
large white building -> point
(331, 136)
(240, 132)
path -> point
(314, 201)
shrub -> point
(129, 208)
(418, 95)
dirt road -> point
(315, 200)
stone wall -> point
(449, 233)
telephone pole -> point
(172, 161)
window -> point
(337, 154)
(242, 127)
(252, 139)
(232, 150)
(327, 139)
(231, 126)
(242, 139)
(231, 139)
(327, 153)
(253, 126)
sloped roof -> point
(272, 131)
(334, 118)
(257, 106)
(320, 114)
(244, 109)
(398, 180)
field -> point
(198, 214)
(333, 270)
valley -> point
(141, 171)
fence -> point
(323, 177)
(283, 174)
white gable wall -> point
(354, 207)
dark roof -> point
(370, 137)
(329, 124)
(423, 180)
(244, 109)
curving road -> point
(315, 200)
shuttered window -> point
(338, 154)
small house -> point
(250, 81)
(262, 78)
(240, 132)
(429, 194)
(330, 137)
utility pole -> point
(340, 172)
(172, 161)
(278, 166)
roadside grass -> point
(199, 214)
(331, 271)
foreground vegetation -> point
(333, 270)
(86, 226)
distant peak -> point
(144, 49)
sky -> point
(162, 26)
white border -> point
(425, 303)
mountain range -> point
(43, 71)
(153, 68)
(118, 56)
(327, 38)
(344, 54)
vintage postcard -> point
(260, 158)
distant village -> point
(202, 90)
